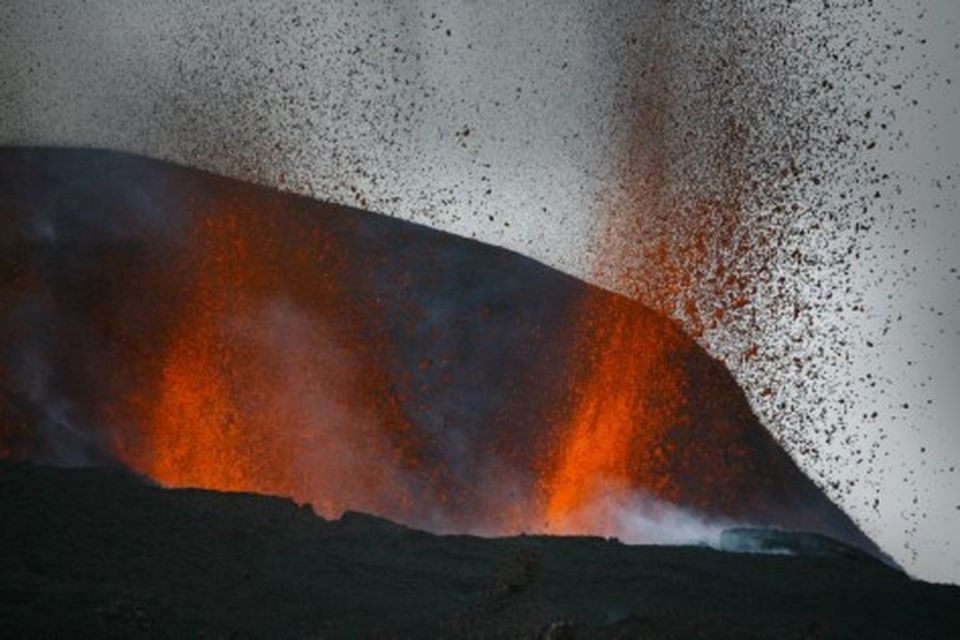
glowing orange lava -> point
(675, 250)
(626, 395)
(262, 385)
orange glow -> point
(260, 387)
(629, 426)
(626, 395)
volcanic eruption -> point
(207, 332)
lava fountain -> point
(627, 392)
(257, 388)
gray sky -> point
(508, 122)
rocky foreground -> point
(102, 553)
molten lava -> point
(627, 395)
(259, 387)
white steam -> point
(635, 517)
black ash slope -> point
(101, 553)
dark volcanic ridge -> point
(209, 332)
(101, 553)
